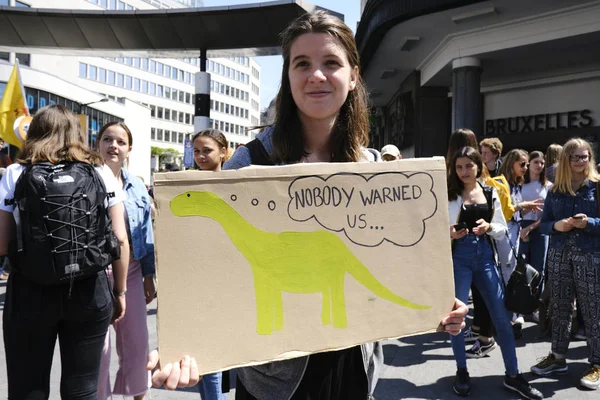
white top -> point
(9, 180)
(533, 191)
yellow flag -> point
(12, 106)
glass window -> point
(129, 7)
(120, 60)
(168, 92)
(237, 111)
(6, 55)
(226, 126)
(152, 89)
(222, 107)
(228, 72)
(188, 118)
(167, 136)
(237, 75)
(159, 134)
(174, 115)
(221, 125)
(193, 80)
(211, 65)
(112, 4)
(167, 114)
(120, 5)
(153, 133)
(216, 105)
(159, 90)
(82, 70)
(174, 94)
(246, 113)
(188, 98)
(111, 78)
(226, 108)
(128, 61)
(180, 137)
(153, 66)
(144, 86)
(227, 90)
(159, 68)
(222, 89)
(136, 84)
(188, 77)
(181, 117)
(159, 112)
(153, 111)
(102, 75)
(181, 96)
(136, 62)
(173, 73)
(180, 76)
(120, 78)
(237, 93)
(167, 71)
(212, 104)
(145, 63)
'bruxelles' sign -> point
(539, 122)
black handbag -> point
(522, 292)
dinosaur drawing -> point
(294, 262)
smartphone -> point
(460, 226)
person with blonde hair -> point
(491, 150)
(77, 311)
(572, 221)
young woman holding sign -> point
(321, 117)
(476, 217)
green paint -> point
(295, 262)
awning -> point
(249, 29)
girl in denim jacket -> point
(115, 142)
(571, 219)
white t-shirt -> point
(9, 180)
(533, 191)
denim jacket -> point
(141, 234)
(560, 205)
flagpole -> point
(22, 87)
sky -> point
(270, 74)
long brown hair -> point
(54, 136)
(552, 154)
(455, 185)
(458, 139)
(507, 166)
(533, 155)
(563, 170)
(351, 130)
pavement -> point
(418, 367)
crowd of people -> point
(544, 207)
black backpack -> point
(62, 228)
(258, 153)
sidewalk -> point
(419, 367)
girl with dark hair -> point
(476, 216)
(78, 313)
(210, 152)
(321, 117)
(115, 142)
(534, 244)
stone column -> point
(466, 94)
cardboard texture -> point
(270, 263)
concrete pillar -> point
(466, 94)
(11, 55)
(202, 96)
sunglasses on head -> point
(576, 158)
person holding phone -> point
(478, 217)
(571, 220)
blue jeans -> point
(473, 260)
(210, 387)
(535, 249)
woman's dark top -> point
(335, 375)
(470, 213)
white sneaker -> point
(519, 320)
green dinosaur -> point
(295, 262)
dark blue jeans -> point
(473, 260)
(535, 249)
(35, 316)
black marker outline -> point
(405, 174)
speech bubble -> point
(388, 206)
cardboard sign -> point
(270, 263)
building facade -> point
(525, 72)
(166, 87)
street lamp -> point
(102, 100)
